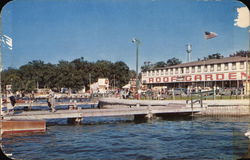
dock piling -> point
(74, 120)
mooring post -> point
(241, 93)
(30, 105)
(214, 93)
(75, 105)
(192, 103)
(201, 98)
(75, 120)
(173, 94)
(149, 115)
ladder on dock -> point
(200, 96)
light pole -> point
(189, 50)
(137, 42)
(204, 71)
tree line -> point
(174, 61)
(170, 62)
(79, 73)
(75, 74)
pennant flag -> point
(7, 41)
(209, 35)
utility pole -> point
(114, 82)
(89, 81)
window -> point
(162, 73)
(205, 68)
(234, 66)
(176, 70)
(187, 70)
(166, 72)
(218, 67)
(193, 69)
(212, 68)
(199, 69)
(226, 66)
(153, 73)
(157, 72)
(171, 71)
(182, 70)
(241, 65)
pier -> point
(82, 113)
(142, 110)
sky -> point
(54, 30)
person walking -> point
(51, 101)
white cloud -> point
(243, 17)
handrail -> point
(201, 97)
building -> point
(101, 86)
(229, 72)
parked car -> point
(178, 91)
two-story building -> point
(227, 72)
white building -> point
(224, 73)
(101, 86)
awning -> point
(127, 86)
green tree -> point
(160, 64)
(121, 72)
(173, 61)
(214, 56)
(241, 53)
(65, 74)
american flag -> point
(209, 35)
(7, 41)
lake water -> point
(121, 138)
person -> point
(11, 105)
(51, 101)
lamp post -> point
(189, 50)
(204, 65)
(137, 42)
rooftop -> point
(207, 62)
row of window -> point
(206, 68)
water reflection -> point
(195, 138)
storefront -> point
(230, 72)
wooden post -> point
(192, 104)
(201, 98)
(214, 93)
(173, 94)
(75, 120)
(149, 115)
(75, 105)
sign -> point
(197, 77)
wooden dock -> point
(141, 110)
(30, 104)
(82, 113)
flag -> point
(7, 41)
(209, 35)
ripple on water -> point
(158, 140)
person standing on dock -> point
(51, 101)
(11, 104)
